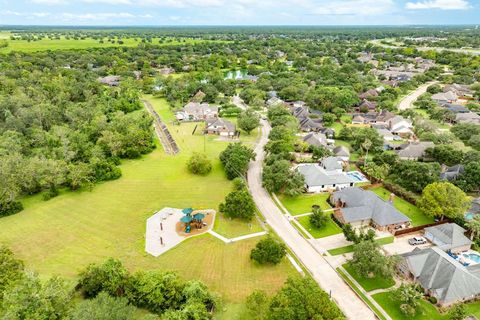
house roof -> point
(385, 133)
(307, 124)
(445, 96)
(368, 104)
(414, 149)
(110, 80)
(475, 207)
(316, 139)
(332, 163)
(214, 124)
(449, 235)
(451, 173)
(455, 108)
(315, 176)
(439, 273)
(385, 115)
(363, 204)
(341, 151)
(467, 117)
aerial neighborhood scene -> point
(240, 160)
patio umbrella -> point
(199, 216)
(187, 211)
(186, 219)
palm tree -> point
(366, 145)
(474, 226)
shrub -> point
(432, 300)
(9, 208)
(318, 219)
(199, 164)
(268, 250)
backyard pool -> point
(357, 176)
(472, 257)
(469, 216)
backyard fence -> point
(418, 228)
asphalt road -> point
(324, 274)
(407, 102)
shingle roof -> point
(316, 139)
(341, 151)
(315, 176)
(361, 205)
(331, 163)
(414, 149)
(436, 271)
(447, 236)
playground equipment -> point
(196, 220)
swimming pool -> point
(357, 176)
(469, 216)
(473, 256)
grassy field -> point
(413, 212)
(67, 44)
(63, 235)
(369, 284)
(329, 229)
(426, 310)
(303, 203)
(349, 248)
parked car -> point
(417, 240)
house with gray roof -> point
(220, 127)
(451, 173)
(467, 117)
(309, 125)
(448, 237)
(360, 208)
(317, 179)
(112, 81)
(441, 276)
(196, 111)
(414, 150)
(444, 97)
(342, 152)
(316, 140)
(332, 164)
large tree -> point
(414, 175)
(248, 120)
(238, 204)
(268, 250)
(199, 164)
(104, 307)
(368, 260)
(11, 269)
(235, 159)
(278, 177)
(443, 199)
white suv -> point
(417, 240)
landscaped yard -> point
(349, 248)
(410, 210)
(303, 203)
(329, 229)
(232, 228)
(426, 311)
(62, 235)
(369, 284)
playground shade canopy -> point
(186, 219)
(187, 211)
(199, 216)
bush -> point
(199, 164)
(432, 300)
(401, 192)
(318, 219)
(268, 250)
(9, 208)
(111, 277)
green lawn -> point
(426, 311)
(303, 203)
(349, 248)
(337, 126)
(369, 284)
(67, 44)
(360, 294)
(62, 235)
(329, 229)
(473, 309)
(413, 212)
(232, 228)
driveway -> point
(400, 244)
(322, 272)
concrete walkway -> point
(230, 240)
(322, 272)
(407, 102)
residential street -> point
(407, 102)
(322, 272)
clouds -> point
(78, 17)
(439, 4)
(355, 7)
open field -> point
(413, 212)
(303, 203)
(369, 284)
(67, 44)
(329, 229)
(62, 235)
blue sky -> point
(238, 12)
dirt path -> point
(166, 139)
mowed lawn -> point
(410, 210)
(369, 284)
(304, 202)
(391, 305)
(63, 235)
(329, 229)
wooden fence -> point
(418, 228)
